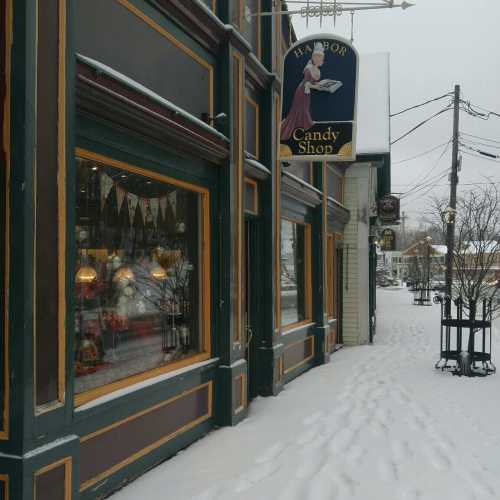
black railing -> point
(471, 356)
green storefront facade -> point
(161, 267)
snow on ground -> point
(376, 423)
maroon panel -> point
(51, 485)
(46, 237)
(297, 353)
(100, 453)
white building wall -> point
(358, 191)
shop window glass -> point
(250, 195)
(249, 25)
(302, 170)
(139, 275)
(251, 126)
(335, 181)
(294, 273)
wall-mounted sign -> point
(388, 240)
(388, 209)
(319, 100)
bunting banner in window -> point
(147, 209)
(319, 100)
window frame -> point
(240, 4)
(205, 281)
(255, 105)
(255, 204)
(307, 278)
(331, 170)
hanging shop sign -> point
(318, 114)
(388, 209)
(388, 240)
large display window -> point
(295, 273)
(141, 280)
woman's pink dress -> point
(299, 115)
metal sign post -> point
(318, 9)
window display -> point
(295, 282)
(139, 275)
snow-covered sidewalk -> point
(376, 423)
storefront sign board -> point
(318, 116)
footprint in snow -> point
(437, 458)
(211, 494)
(387, 470)
(311, 419)
(355, 454)
(256, 475)
(271, 453)
(320, 488)
(400, 450)
(306, 437)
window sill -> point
(99, 392)
(296, 326)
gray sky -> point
(433, 45)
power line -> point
(477, 143)
(461, 184)
(469, 108)
(419, 155)
(488, 111)
(481, 152)
(430, 186)
(419, 181)
(473, 155)
(420, 124)
(420, 105)
(477, 137)
(431, 182)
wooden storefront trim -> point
(238, 142)
(61, 221)
(6, 138)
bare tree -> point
(422, 263)
(434, 218)
(477, 246)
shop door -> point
(251, 303)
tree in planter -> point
(422, 264)
(476, 258)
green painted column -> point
(319, 235)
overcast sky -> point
(432, 46)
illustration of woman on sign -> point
(299, 115)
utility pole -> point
(450, 233)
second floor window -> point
(242, 16)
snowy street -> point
(377, 423)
